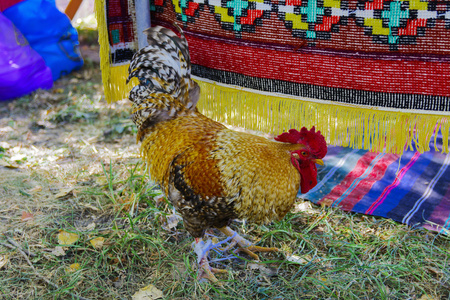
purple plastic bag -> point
(22, 70)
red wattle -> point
(308, 173)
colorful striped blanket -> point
(413, 188)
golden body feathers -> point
(213, 174)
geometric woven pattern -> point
(382, 66)
(378, 53)
(238, 15)
(390, 22)
(121, 31)
(187, 10)
(313, 19)
(397, 22)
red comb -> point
(293, 136)
(289, 137)
(314, 139)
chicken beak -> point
(319, 162)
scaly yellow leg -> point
(246, 245)
(206, 271)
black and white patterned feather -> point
(164, 65)
(163, 69)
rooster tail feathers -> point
(163, 69)
(166, 57)
(164, 65)
(169, 37)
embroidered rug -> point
(413, 188)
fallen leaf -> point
(63, 192)
(58, 251)
(298, 259)
(73, 267)
(35, 190)
(426, 297)
(172, 221)
(26, 216)
(67, 238)
(6, 164)
(126, 202)
(101, 180)
(97, 243)
(3, 260)
(87, 205)
(263, 269)
(90, 227)
(149, 292)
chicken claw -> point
(208, 272)
(246, 245)
(205, 270)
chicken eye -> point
(304, 153)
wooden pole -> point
(72, 8)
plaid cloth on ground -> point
(413, 188)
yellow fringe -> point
(344, 125)
(114, 78)
(115, 86)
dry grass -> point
(73, 165)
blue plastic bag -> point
(49, 32)
(22, 70)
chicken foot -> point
(246, 246)
(205, 270)
(202, 249)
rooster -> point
(212, 174)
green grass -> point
(75, 166)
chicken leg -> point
(205, 270)
(202, 249)
(246, 245)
